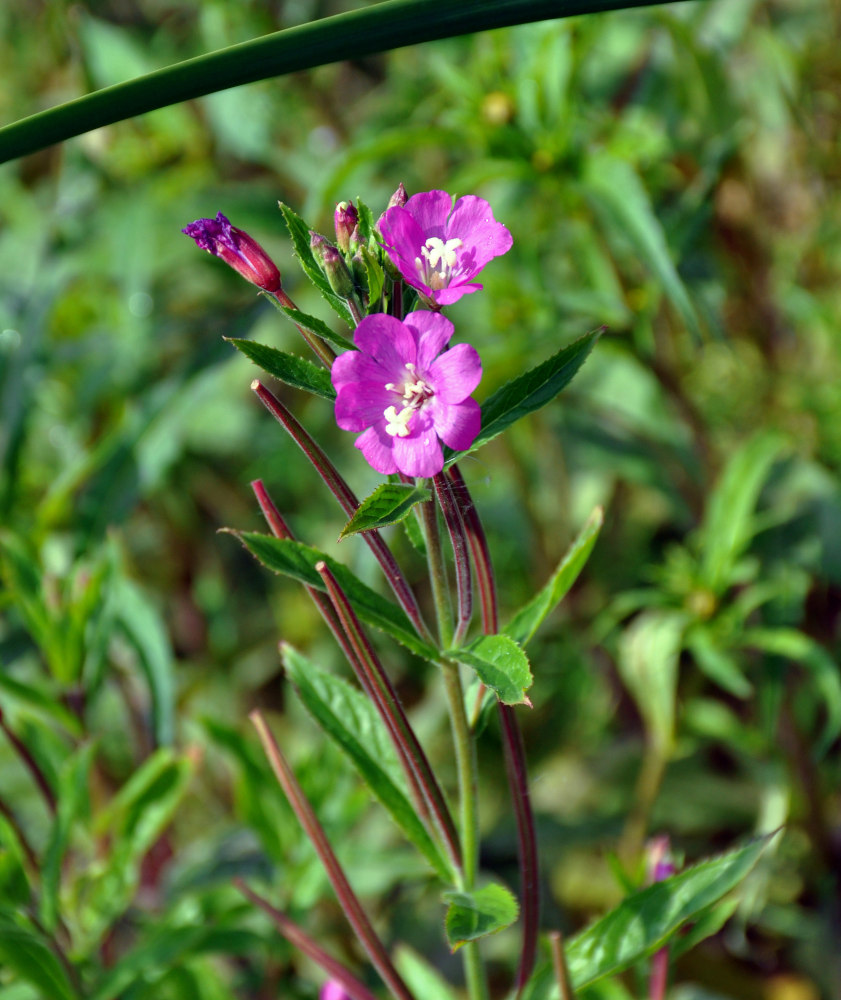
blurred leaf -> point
(349, 718)
(374, 277)
(73, 803)
(142, 626)
(299, 231)
(529, 391)
(14, 882)
(21, 577)
(648, 659)
(528, 619)
(802, 649)
(289, 368)
(644, 923)
(474, 915)
(718, 664)
(39, 700)
(25, 953)
(422, 978)
(298, 561)
(621, 198)
(728, 521)
(705, 925)
(500, 664)
(388, 504)
(312, 324)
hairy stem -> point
(458, 540)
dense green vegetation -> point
(670, 174)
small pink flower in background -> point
(439, 248)
(237, 249)
(333, 990)
(405, 394)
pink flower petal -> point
(388, 341)
(430, 210)
(432, 332)
(455, 374)
(457, 424)
(403, 239)
(360, 404)
(453, 292)
(420, 453)
(376, 446)
(353, 366)
(482, 237)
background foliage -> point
(670, 173)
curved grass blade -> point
(378, 28)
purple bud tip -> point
(210, 234)
(243, 253)
(333, 990)
(399, 198)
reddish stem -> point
(458, 539)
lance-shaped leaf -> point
(388, 504)
(298, 561)
(529, 391)
(474, 915)
(349, 719)
(644, 922)
(528, 619)
(314, 325)
(500, 664)
(299, 231)
(24, 952)
(289, 368)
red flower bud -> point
(243, 253)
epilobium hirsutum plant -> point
(407, 390)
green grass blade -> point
(379, 28)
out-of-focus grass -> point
(672, 174)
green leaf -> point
(28, 956)
(729, 518)
(718, 664)
(474, 915)
(289, 368)
(620, 197)
(142, 626)
(299, 231)
(375, 278)
(500, 664)
(648, 660)
(298, 561)
(378, 28)
(40, 701)
(388, 504)
(73, 801)
(528, 619)
(349, 718)
(803, 650)
(314, 325)
(366, 221)
(422, 978)
(644, 922)
(529, 391)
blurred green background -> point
(672, 174)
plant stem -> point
(350, 904)
(324, 352)
(30, 764)
(556, 942)
(458, 540)
(348, 502)
(437, 574)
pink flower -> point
(405, 395)
(243, 253)
(333, 990)
(439, 248)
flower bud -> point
(659, 861)
(239, 250)
(337, 272)
(318, 245)
(399, 198)
(345, 219)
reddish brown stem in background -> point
(556, 942)
(348, 502)
(350, 904)
(458, 539)
(515, 757)
(30, 764)
(299, 939)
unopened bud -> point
(333, 990)
(239, 250)
(318, 244)
(345, 219)
(659, 861)
(399, 198)
(337, 272)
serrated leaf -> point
(644, 922)
(366, 221)
(289, 368)
(314, 325)
(375, 278)
(298, 561)
(349, 718)
(299, 232)
(528, 619)
(474, 915)
(500, 664)
(388, 504)
(529, 391)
